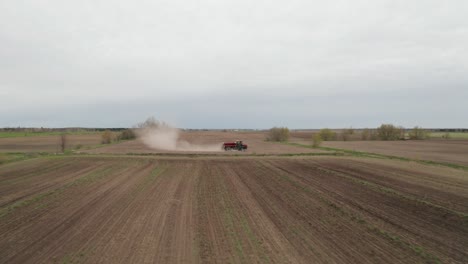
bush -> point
(373, 134)
(327, 135)
(389, 132)
(106, 137)
(316, 140)
(418, 133)
(278, 134)
(365, 134)
(346, 133)
(127, 134)
(446, 135)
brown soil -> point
(46, 143)
(255, 141)
(450, 151)
(437, 150)
(225, 209)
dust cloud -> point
(162, 136)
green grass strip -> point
(9, 157)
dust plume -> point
(162, 136)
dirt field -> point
(451, 151)
(455, 151)
(46, 143)
(231, 210)
(255, 141)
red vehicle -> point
(238, 145)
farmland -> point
(276, 203)
(448, 151)
(47, 143)
(455, 151)
(255, 140)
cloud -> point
(66, 55)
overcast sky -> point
(234, 64)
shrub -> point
(346, 133)
(418, 133)
(365, 134)
(326, 134)
(389, 132)
(446, 135)
(316, 140)
(106, 137)
(373, 134)
(126, 135)
(278, 134)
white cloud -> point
(59, 53)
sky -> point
(234, 64)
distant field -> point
(450, 151)
(453, 135)
(134, 209)
(4, 134)
(47, 143)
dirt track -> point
(255, 141)
(239, 210)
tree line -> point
(383, 132)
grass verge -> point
(19, 156)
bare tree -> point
(127, 134)
(365, 134)
(106, 137)
(418, 133)
(389, 132)
(316, 140)
(278, 134)
(346, 133)
(63, 142)
(327, 134)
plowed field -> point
(231, 210)
(47, 143)
(450, 151)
